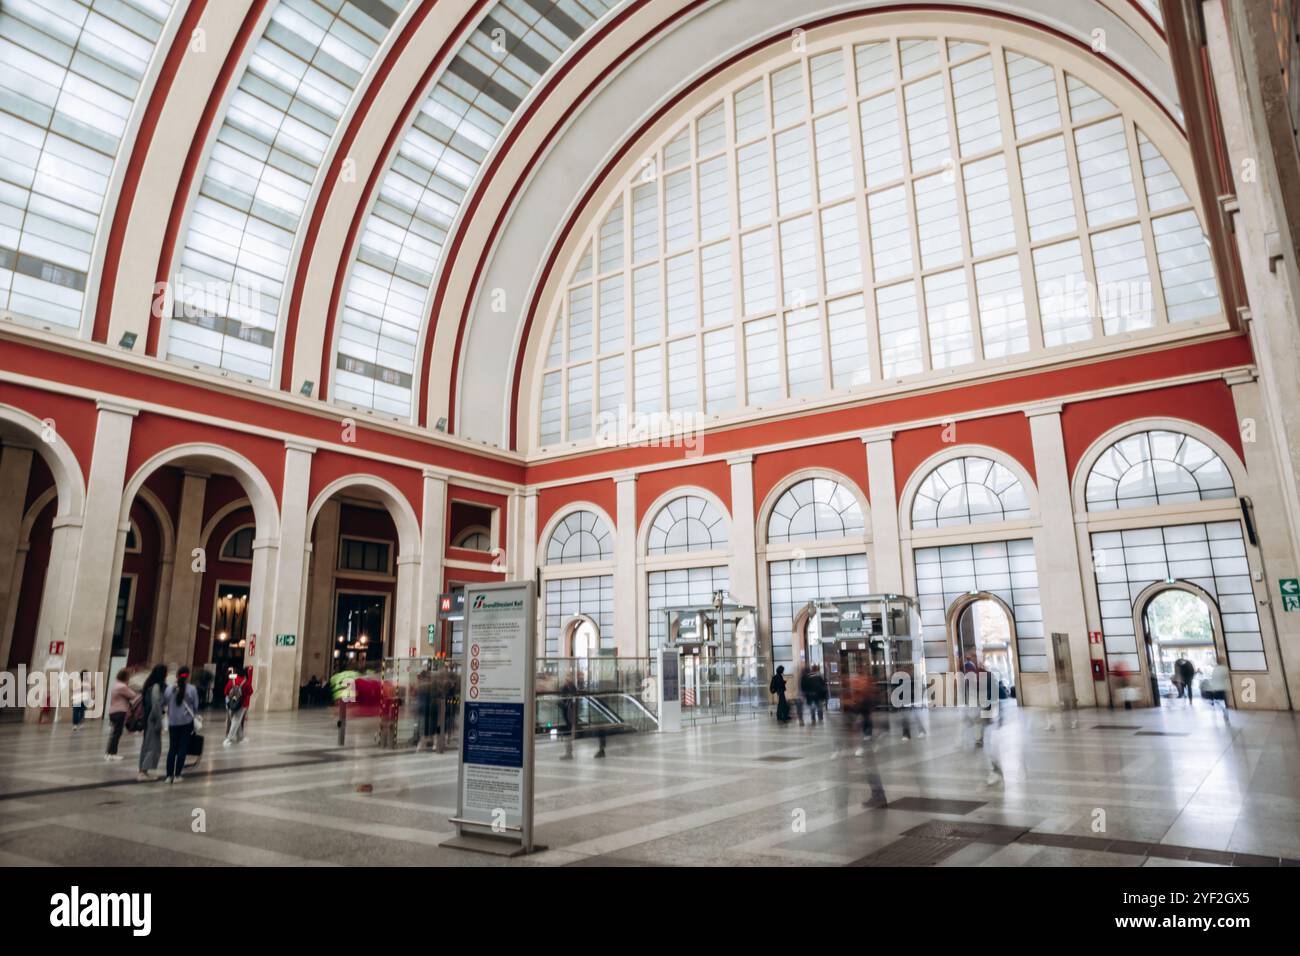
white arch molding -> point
(58, 457)
(221, 514)
(764, 515)
(401, 511)
(1213, 441)
(923, 470)
(553, 522)
(667, 498)
(1145, 596)
(952, 618)
(260, 495)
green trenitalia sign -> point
(286, 640)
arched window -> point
(1156, 468)
(582, 536)
(968, 490)
(880, 206)
(688, 523)
(239, 546)
(815, 509)
(476, 538)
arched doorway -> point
(582, 637)
(982, 626)
(1178, 623)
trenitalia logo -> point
(75, 909)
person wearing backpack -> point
(238, 694)
(151, 702)
(120, 698)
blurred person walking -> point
(120, 698)
(1186, 672)
(82, 699)
(180, 702)
(777, 687)
(151, 742)
(238, 693)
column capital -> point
(745, 459)
(624, 476)
(877, 435)
(261, 544)
(67, 521)
(294, 445)
(431, 474)
(117, 408)
(1240, 376)
(408, 559)
(1043, 408)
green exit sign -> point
(1290, 588)
(286, 640)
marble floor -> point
(1176, 786)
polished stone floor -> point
(1177, 786)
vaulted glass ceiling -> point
(239, 237)
(72, 72)
(428, 179)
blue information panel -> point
(494, 734)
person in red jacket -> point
(239, 694)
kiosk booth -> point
(878, 635)
(719, 672)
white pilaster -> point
(433, 538)
(743, 570)
(1056, 554)
(886, 571)
(627, 619)
(318, 636)
(183, 597)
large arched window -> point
(73, 72)
(879, 207)
(815, 509)
(970, 490)
(580, 537)
(685, 524)
(1156, 467)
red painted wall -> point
(551, 500)
(773, 469)
(714, 476)
(1007, 433)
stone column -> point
(886, 571)
(284, 576)
(1056, 554)
(406, 600)
(433, 541)
(743, 570)
(15, 470)
(526, 554)
(318, 632)
(628, 626)
(183, 598)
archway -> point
(1179, 628)
(982, 627)
(582, 637)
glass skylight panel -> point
(1000, 294)
(828, 88)
(891, 235)
(874, 64)
(918, 56)
(900, 330)
(549, 415)
(1162, 185)
(1034, 107)
(1085, 102)
(612, 387)
(678, 150)
(975, 100)
(720, 370)
(798, 262)
(1186, 267)
(647, 301)
(793, 172)
(1124, 294)
(1049, 197)
(611, 239)
(716, 283)
(580, 327)
(849, 342)
(1104, 172)
(755, 184)
(583, 271)
(962, 49)
(762, 362)
(555, 354)
(759, 287)
(612, 313)
(683, 375)
(803, 352)
(437, 159)
(72, 74)
(711, 132)
(948, 321)
(679, 210)
(715, 199)
(680, 277)
(254, 191)
(751, 112)
(988, 205)
(580, 396)
(1064, 300)
(649, 380)
(927, 123)
(788, 103)
(937, 225)
(882, 149)
(834, 157)
(841, 253)
(645, 221)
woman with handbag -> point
(180, 702)
(151, 741)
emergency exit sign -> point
(1290, 588)
(286, 640)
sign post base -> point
(494, 846)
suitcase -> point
(195, 752)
